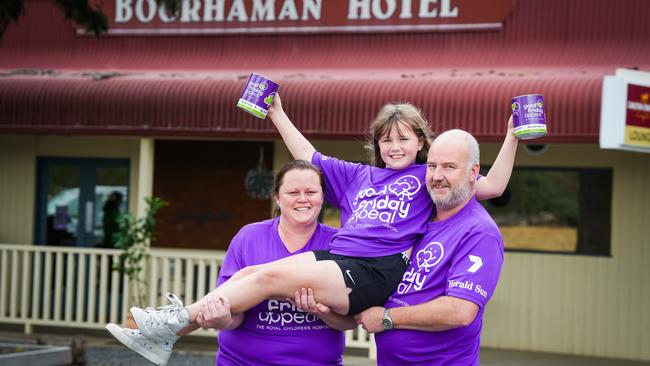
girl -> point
(384, 210)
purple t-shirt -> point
(383, 211)
(461, 257)
(275, 332)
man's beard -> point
(454, 197)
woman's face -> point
(300, 197)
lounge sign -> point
(303, 16)
(625, 111)
(637, 123)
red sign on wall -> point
(637, 121)
(304, 16)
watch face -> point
(387, 323)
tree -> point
(88, 15)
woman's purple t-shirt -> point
(275, 332)
(383, 211)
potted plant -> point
(134, 236)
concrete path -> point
(103, 350)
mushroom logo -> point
(405, 187)
(429, 256)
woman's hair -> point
(390, 116)
(289, 166)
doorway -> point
(78, 200)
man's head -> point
(452, 168)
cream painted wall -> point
(18, 155)
(570, 303)
(580, 304)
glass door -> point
(78, 200)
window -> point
(555, 210)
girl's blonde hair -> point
(388, 117)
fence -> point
(75, 287)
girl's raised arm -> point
(298, 145)
(496, 180)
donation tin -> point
(529, 116)
(258, 95)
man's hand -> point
(276, 107)
(215, 312)
(511, 127)
(371, 319)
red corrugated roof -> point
(332, 85)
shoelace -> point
(160, 315)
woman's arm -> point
(496, 180)
(297, 144)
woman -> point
(274, 332)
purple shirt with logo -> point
(459, 257)
(383, 211)
(275, 332)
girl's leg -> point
(302, 258)
(282, 280)
(307, 257)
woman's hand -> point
(304, 300)
(215, 312)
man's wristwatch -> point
(386, 321)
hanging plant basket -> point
(259, 181)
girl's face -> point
(399, 147)
(300, 197)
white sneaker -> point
(156, 352)
(163, 323)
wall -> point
(581, 304)
(18, 155)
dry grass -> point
(551, 238)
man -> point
(435, 315)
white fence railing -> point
(75, 287)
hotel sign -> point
(625, 111)
(303, 16)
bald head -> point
(460, 139)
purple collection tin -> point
(258, 95)
(529, 116)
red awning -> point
(332, 85)
(321, 105)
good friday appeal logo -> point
(283, 316)
(255, 90)
(531, 110)
(426, 259)
(385, 204)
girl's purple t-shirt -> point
(383, 211)
(460, 257)
(275, 332)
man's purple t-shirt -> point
(383, 211)
(460, 257)
(275, 332)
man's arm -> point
(299, 147)
(441, 313)
(496, 180)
